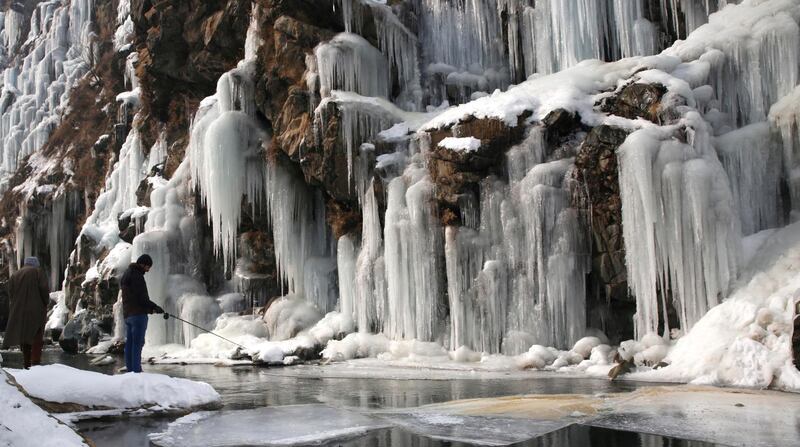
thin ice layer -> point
(744, 419)
(474, 429)
(286, 425)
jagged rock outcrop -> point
(330, 134)
(611, 306)
(54, 198)
(458, 172)
(597, 172)
(637, 100)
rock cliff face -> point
(182, 50)
(183, 47)
(507, 221)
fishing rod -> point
(167, 315)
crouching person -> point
(136, 306)
(28, 294)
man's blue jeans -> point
(135, 327)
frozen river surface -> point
(363, 403)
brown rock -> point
(636, 101)
(622, 368)
(560, 123)
(459, 172)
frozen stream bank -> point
(376, 406)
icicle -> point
(231, 143)
(361, 118)
(225, 152)
(348, 62)
(370, 286)
(754, 166)
(462, 38)
(553, 235)
(399, 45)
(678, 224)
(121, 185)
(155, 244)
(304, 249)
(635, 35)
(131, 80)
(201, 310)
(785, 120)
(12, 30)
(752, 70)
(251, 286)
(59, 239)
(35, 89)
(158, 153)
(352, 15)
(346, 263)
(584, 41)
(520, 278)
(524, 156)
(411, 257)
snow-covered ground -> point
(746, 340)
(20, 419)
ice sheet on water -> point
(285, 425)
(739, 419)
(475, 429)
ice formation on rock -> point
(785, 117)
(521, 275)
(511, 277)
(411, 257)
(754, 164)
(304, 248)
(679, 224)
(36, 85)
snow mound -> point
(62, 384)
(746, 340)
(20, 418)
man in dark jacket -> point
(28, 294)
(136, 305)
